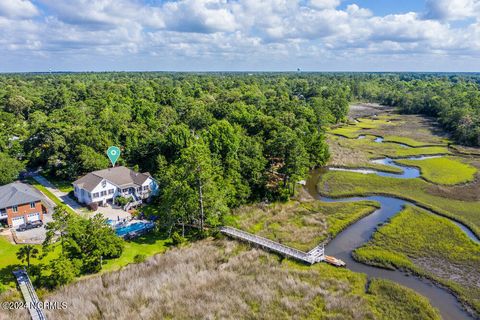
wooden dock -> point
(313, 256)
(29, 295)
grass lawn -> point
(7, 253)
(146, 245)
(339, 184)
(49, 194)
(428, 245)
(9, 261)
(62, 185)
(445, 170)
(302, 225)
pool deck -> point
(113, 213)
(145, 222)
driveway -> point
(34, 236)
(62, 196)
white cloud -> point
(203, 16)
(324, 4)
(222, 30)
(17, 9)
(453, 9)
(93, 14)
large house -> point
(105, 185)
(21, 203)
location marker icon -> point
(113, 154)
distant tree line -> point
(454, 99)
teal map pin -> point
(113, 154)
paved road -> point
(62, 196)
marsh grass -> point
(412, 130)
(398, 302)
(341, 184)
(409, 141)
(302, 225)
(444, 170)
(359, 152)
(224, 280)
(427, 245)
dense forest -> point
(239, 137)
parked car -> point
(30, 225)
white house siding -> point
(96, 195)
(102, 192)
(153, 186)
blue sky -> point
(239, 35)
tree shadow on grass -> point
(6, 273)
(150, 237)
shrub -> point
(121, 201)
(139, 258)
(177, 239)
(93, 206)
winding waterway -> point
(407, 172)
(360, 232)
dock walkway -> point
(313, 256)
(29, 295)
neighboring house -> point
(105, 185)
(21, 203)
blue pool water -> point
(137, 226)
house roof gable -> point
(18, 193)
(119, 176)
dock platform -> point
(29, 295)
(313, 256)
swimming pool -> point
(134, 227)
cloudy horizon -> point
(241, 35)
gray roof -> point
(119, 176)
(18, 193)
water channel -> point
(360, 232)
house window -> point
(104, 183)
(145, 188)
(3, 212)
(111, 191)
(124, 190)
(14, 209)
(103, 193)
(95, 195)
(32, 205)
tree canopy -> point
(235, 137)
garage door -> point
(33, 217)
(18, 221)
